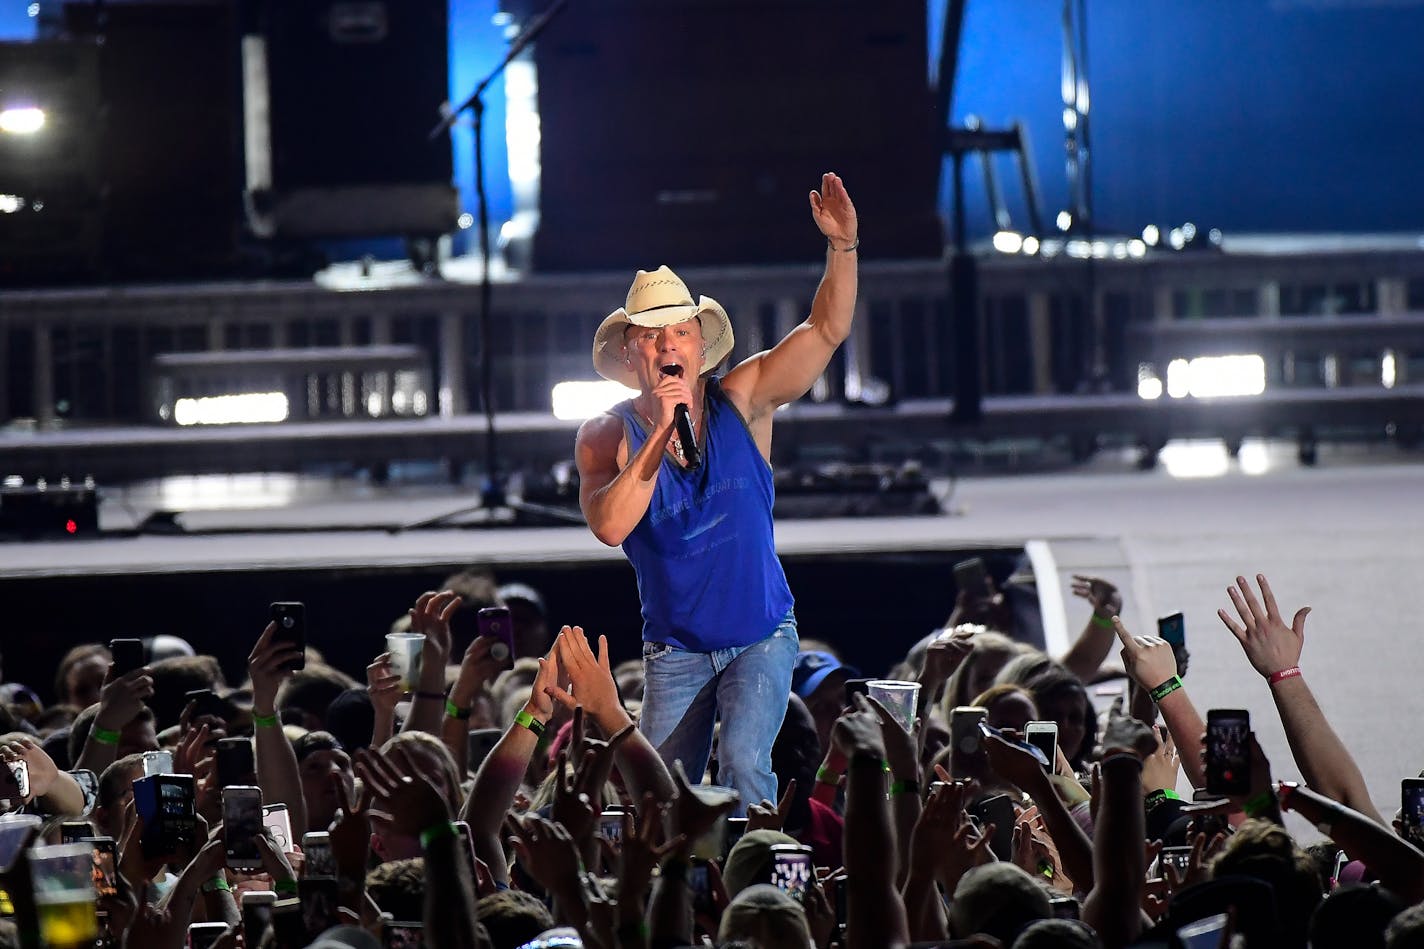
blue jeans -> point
(751, 684)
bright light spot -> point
(1254, 457)
(1149, 388)
(1214, 236)
(1030, 245)
(1080, 249)
(1119, 250)
(1065, 220)
(33, 9)
(420, 403)
(10, 203)
(246, 407)
(1195, 458)
(26, 121)
(1100, 250)
(1210, 377)
(1151, 235)
(522, 136)
(1387, 369)
(577, 400)
(1189, 231)
(1177, 386)
(226, 492)
(373, 404)
(71, 527)
(38, 205)
(1177, 238)
(1136, 248)
(1070, 119)
(1008, 242)
(466, 221)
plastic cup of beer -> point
(64, 895)
(898, 697)
(709, 845)
(405, 650)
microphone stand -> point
(493, 497)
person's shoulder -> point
(600, 432)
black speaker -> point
(339, 98)
(690, 132)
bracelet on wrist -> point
(285, 887)
(436, 832)
(826, 776)
(1102, 622)
(454, 711)
(1282, 675)
(866, 762)
(1260, 804)
(1158, 796)
(910, 786)
(846, 249)
(522, 717)
(218, 882)
(266, 721)
(1166, 688)
(104, 736)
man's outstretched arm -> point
(770, 379)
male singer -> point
(695, 519)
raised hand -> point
(546, 851)
(1105, 598)
(945, 844)
(1159, 769)
(901, 748)
(1149, 660)
(477, 667)
(43, 771)
(1126, 734)
(1014, 764)
(691, 815)
(351, 830)
(769, 816)
(268, 667)
(1270, 645)
(121, 699)
(590, 676)
(944, 656)
(834, 213)
(857, 733)
(431, 617)
(383, 684)
(644, 846)
(406, 797)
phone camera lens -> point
(287, 622)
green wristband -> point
(1258, 805)
(827, 776)
(103, 736)
(910, 786)
(217, 883)
(1166, 688)
(266, 721)
(530, 722)
(436, 832)
(285, 887)
(454, 711)
(1102, 622)
(1160, 795)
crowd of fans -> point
(506, 798)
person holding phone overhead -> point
(680, 477)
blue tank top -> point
(704, 552)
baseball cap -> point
(811, 668)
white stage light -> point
(1008, 242)
(25, 121)
(581, 399)
(243, 408)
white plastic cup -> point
(899, 698)
(405, 650)
(709, 846)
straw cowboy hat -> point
(659, 298)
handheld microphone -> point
(682, 420)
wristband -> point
(522, 717)
(905, 787)
(844, 250)
(827, 776)
(1045, 869)
(1102, 622)
(437, 832)
(454, 711)
(1160, 795)
(285, 887)
(1259, 804)
(1282, 675)
(1166, 688)
(103, 736)
(218, 882)
(266, 721)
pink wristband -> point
(1290, 673)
